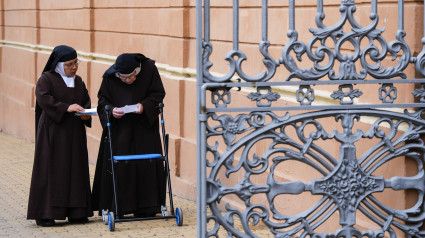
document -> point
(129, 108)
(91, 111)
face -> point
(128, 78)
(71, 67)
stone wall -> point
(100, 30)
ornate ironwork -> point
(420, 93)
(269, 96)
(221, 97)
(387, 93)
(305, 95)
(351, 93)
(347, 181)
(240, 186)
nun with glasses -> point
(133, 80)
(60, 183)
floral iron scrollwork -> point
(351, 94)
(249, 155)
(221, 97)
(347, 185)
(269, 96)
(387, 93)
(305, 95)
(420, 93)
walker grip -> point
(137, 157)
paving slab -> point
(16, 161)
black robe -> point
(60, 183)
(141, 183)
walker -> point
(109, 217)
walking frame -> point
(108, 216)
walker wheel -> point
(105, 216)
(179, 216)
(111, 221)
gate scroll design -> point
(228, 161)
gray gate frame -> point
(211, 190)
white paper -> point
(129, 108)
(91, 111)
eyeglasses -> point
(71, 65)
(126, 76)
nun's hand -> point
(117, 113)
(75, 108)
(85, 117)
(139, 108)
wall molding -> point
(171, 72)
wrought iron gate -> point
(245, 150)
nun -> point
(133, 80)
(60, 182)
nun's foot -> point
(45, 222)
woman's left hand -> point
(75, 108)
(139, 108)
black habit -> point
(60, 183)
(141, 183)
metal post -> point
(400, 15)
(291, 15)
(167, 166)
(201, 213)
(108, 125)
(264, 23)
(235, 24)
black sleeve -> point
(104, 98)
(155, 96)
(45, 100)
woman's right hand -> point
(75, 108)
(117, 113)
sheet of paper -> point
(91, 111)
(129, 108)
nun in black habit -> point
(60, 183)
(132, 80)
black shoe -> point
(45, 222)
(78, 220)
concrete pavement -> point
(16, 160)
